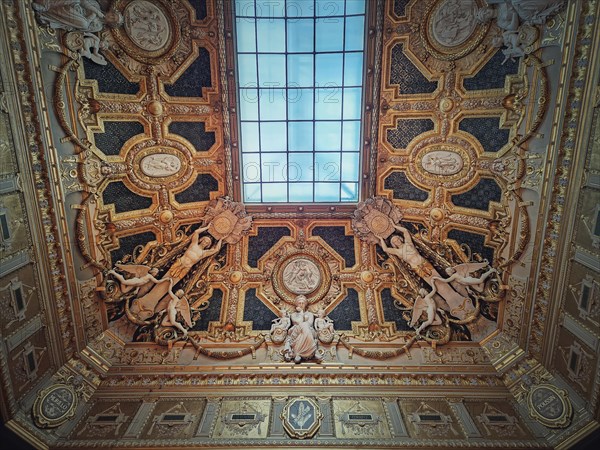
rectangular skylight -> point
(300, 77)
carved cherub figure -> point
(280, 326)
(322, 322)
(178, 303)
(403, 248)
(81, 16)
(142, 281)
(425, 303)
(461, 279)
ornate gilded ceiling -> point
(447, 307)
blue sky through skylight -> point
(300, 72)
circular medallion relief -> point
(301, 276)
(160, 165)
(453, 21)
(442, 162)
(146, 25)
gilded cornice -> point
(573, 99)
(35, 173)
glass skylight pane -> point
(354, 33)
(244, 8)
(349, 192)
(247, 68)
(327, 136)
(327, 192)
(329, 8)
(353, 69)
(300, 104)
(350, 166)
(327, 167)
(274, 192)
(300, 136)
(328, 104)
(270, 8)
(329, 69)
(271, 70)
(351, 136)
(252, 192)
(352, 99)
(250, 138)
(300, 112)
(301, 192)
(300, 70)
(300, 166)
(273, 104)
(251, 167)
(330, 35)
(273, 136)
(271, 35)
(300, 35)
(249, 104)
(246, 41)
(274, 167)
(355, 7)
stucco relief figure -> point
(146, 25)
(280, 326)
(301, 340)
(83, 16)
(460, 277)
(142, 281)
(425, 303)
(442, 162)
(454, 21)
(324, 327)
(403, 248)
(301, 276)
(516, 19)
(177, 304)
(198, 249)
(160, 165)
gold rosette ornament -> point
(374, 219)
(227, 220)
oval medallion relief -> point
(442, 162)
(54, 405)
(146, 25)
(453, 22)
(159, 165)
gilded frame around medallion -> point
(57, 397)
(550, 406)
(294, 413)
(307, 257)
(465, 45)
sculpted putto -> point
(436, 280)
(143, 307)
(82, 16)
(161, 285)
(515, 18)
(403, 248)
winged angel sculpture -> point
(435, 300)
(159, 286)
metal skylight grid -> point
(300, 76)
